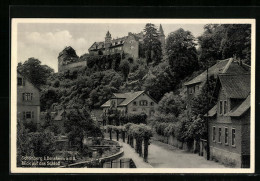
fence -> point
(120, 163)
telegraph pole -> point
(208, 152)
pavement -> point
(162, 155)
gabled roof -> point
(241, 109)
(235, 86)
(128, 98)
(214, 70)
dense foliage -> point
(221, 41)
(182, 54)
(152, 46)
(35, 72)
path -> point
(129, 152)
(162, 155)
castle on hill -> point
(129, 44)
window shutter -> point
(32, 114)
(24, 117)
(23, 96)
(31, 96)
(23, 81)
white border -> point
(13, 136)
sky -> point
(45, 41)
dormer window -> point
(222, 107)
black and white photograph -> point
(132, 95)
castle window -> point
(152, 103)
(134, 103)
(134, 109)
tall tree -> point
(152, 45)
(182, 54)
(221, 41)
(125, 68)
(34, 71)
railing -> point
(121, 163)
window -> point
(233, 137)
(226, 136)
(143, 103)
(27, 96)
(134, 109)
(152, 103)
(197, 87)
(134, 103)
(20, 81)
(225, 107)
(214, 133)
(219, 135)
(28, 115)
(220, 107)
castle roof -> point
(161, 30)
(116, 42)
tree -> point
(35, 72)
(42, 143)
(160, 80)
(181, 52)
(23, 142)
(79, 125)
(221, 41)
(171, 103)
(125, 68)
(152, 45)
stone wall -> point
(72, 65)
(226, 157)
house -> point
(128, 44)
(131, 103)
(194, 86)
(28, 100)
(229, 119)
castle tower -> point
(161, 36)
(107, 41)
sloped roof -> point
(228, 66)
(235, 86)
(241, 109)
(128, 97)
(214, 70)
(212, 112)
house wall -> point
(138, 108)
(229, 154)
(131, 46)
(30, 105)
